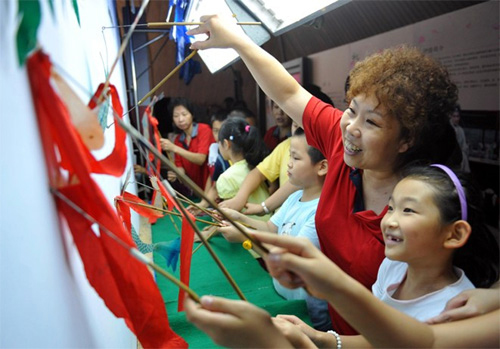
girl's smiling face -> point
(371, 137)
(412, 227)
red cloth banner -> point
(129, 201)
(114, 164)
(156, 136)
(125, 284)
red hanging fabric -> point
(114, 164)
(154, 198)
(156, 137)
(131, 202)
(171, 203)
(124, 212)
(126, 285)
(186, 253)
(155, 170)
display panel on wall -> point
(465, 41)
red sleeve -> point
(322, 125)
(206, 138)
(269, 140)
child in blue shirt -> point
(307, 169)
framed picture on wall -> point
(300, 69)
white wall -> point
(45, 299)
(466, 41)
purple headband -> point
(458, 186)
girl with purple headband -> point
(436, 246)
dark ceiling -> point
(353, 21)
(357, 20)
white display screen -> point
(280, 16)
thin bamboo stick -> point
(208, 238)
(169, 24)
(166, 211)
(186, 200)
(122, 48)
(191, 55)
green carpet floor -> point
(207, 279)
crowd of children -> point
(374, 187)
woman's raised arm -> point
(271, 76)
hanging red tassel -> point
(156, 137)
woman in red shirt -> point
(399, 102)
(190, 145)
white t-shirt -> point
(296, 218)
(390, 275)
(213, 153)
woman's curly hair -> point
(417, 91)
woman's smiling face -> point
(371, 137)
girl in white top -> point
(430, 242)
(436, 246)
(433, 232)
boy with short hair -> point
(307, 169)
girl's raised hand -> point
(296, 262)
(222, 33)
(291, 324)
(194, 210)
(234, 323)
(171, 176)
(140, 169)
(234, 203)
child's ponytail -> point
(245, 140)
(254, 148)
